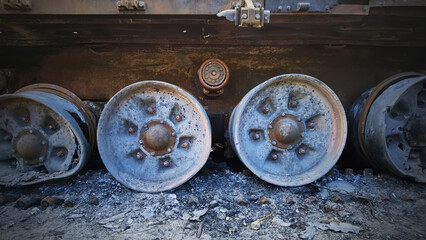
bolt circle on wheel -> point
(41, 138)
(153, 136)
(289, 130)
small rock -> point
(35, 210)
(186, 216)
(349, 171)
(264, 200)
(113, 218)
(94, 201)
(312, 199)
(341, 186)
(255, 225)
(192, 200)
(241, 201)
(331, 173)
(337, 199)
(289, 200)
(148, 213)
(74, 216)
(213, 204)
(279, 222)
(330, 206)
(339, 227)
(368, 172)
(247, 172)
(383, 198)
(323, 194)
(309, 233)
(169, 213)
(221, 215)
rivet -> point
(274, 156)
(282, 114)
(280, 8)
(301, 151)
(169, 150)
(139, 155)
(257, 16)
(244, 16)
(290, 147)
(60, 154)
(178, 118)
(265, 110)
(274, 143)
(288, 8)
(140, 141)
(131, 130)
(151, 110)
(166, 163)
(185, 145)
(162, 122)
(145, 126)
(256, 136)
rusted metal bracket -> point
(17, 4)
(247, 14)
(131, 5)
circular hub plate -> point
(395, 129)
(39, 137)
(153, 136)
(289, 130)
(213, 74)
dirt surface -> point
(219, 203)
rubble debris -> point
(247, 172)
(94, 201)
(339, 227)
(349, 172)
(68, 203)
(337, 199)
(192, 200)
(241, 201)
(75, 216)
(113, 218)
(256, 224)
(289, 200)
(197, 214)
(25, 202)
(279, 222)
(200, 229)
(341, 186)
(406, 197)
(309, 233)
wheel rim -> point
(40, 139)
(163, 133)
(289, 130)
(395, 129)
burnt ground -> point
(220, 203)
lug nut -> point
(178, 118)
(274, 143)
(169, 150)
(151, 110)
(140, 142)
(265, 110)
(244, 16)
(173, 134)
(185, 145)
(166, 163)
(310, 125)
(274, 156)
(139, 155)
(256, 136)
(282, 114)
(301, 151)
(60, 154)
(131, 130)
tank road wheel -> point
(395, 129)
(41, 138)
(289, 130)
(153, 136)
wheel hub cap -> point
(286, 131)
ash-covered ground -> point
(220, 203)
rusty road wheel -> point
(289, 130)
(153, 136)
(395, 129)
(40, 138)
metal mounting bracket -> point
(247, 15)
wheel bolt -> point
(274, 143)
(265, 110)
(178, 118)
(51, 127)
(310, 125)
(139, 155)
(173, 134)
(256, 136)
(60, 154)
(292, 103)
(7, 138)
(140, 141)
(169, 150)
(274, 156)
(131, 130)
(166, 163)
(151, 110)
(270, 126)
(282, 114)
(301, 151)
(185, 145)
